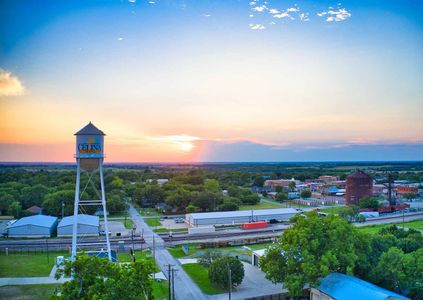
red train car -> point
(254, 225)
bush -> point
(208, 257)
(305, 194)
(218, 271)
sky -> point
(212, 81)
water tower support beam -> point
(103, 200)
(75, 210)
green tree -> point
(179, 198)
(349, 213)
(97, 278)
(281, 196)
(5, 201)
(292, 185)
(369, 202)
(15, 209)
(33, 195)
(305, 194)
(310, 250)
(219, 271)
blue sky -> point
(213, 80)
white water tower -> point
(89, 158)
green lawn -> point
(177, 252)
(418, 224)
(261, 205)
(121, 214)
(27, 292)
(160, 290)
(199, 275)
(153, 222)
(171, 230)
(125, 257)
(373, 229)
(129, 223)
(149, 212)
(333, 210)
(32, 265)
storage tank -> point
(89, 146)
(359, 185)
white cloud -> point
(253, 3)
(120, 38)
(152, 2)
(10, 85)
(132, 1)
(259, 8)
(283, 15)
(257, 26)
(335, 15)
(304, 17)
(251, 16)
(273, 11)
(206, 15)
(292, 9)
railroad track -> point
(198, 236)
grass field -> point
(27, 292)
(373, 229)
(332, 210)
(152, 222)
(261, 205)
(129, 223)
(32, 265)
(121, 214)
(178, 253)
(125, 257)
(199, 275)
(148, 212)
(160, 290)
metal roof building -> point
(344, 287)
(87, 226)
(239, 217)
(33, 226)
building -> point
(328, 178)
(404, 189)
(238, 217)
(255, 256)
(271, 184)
(33, 227)
(359, 185)
(338, 286)
(87, 226)
(35, 210)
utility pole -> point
(48, 257)
(170, 280)
(63, 209)
(229, 281)
(154, 248)
(142, 237)
(173, 283)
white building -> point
(238, 217)
(87, 226)
(255, 256)
(33, 227)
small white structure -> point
(33, 227)
(255, 256)
(238, 216)
(87, 226)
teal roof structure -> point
(344, 287)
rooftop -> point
(243, 213)
(90, 129)
(82, 219)
(37, 220)
(345, 287)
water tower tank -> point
(359, 184)
(89, 146)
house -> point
(255, 256)
(35, 210)
(337, 286)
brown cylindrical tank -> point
(359, 184)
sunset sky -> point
(228, 80)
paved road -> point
(185, 288)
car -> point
(179, 220)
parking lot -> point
(171, 224)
